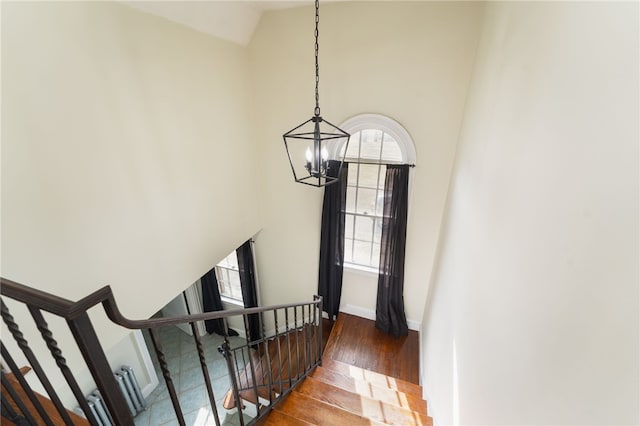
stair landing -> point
(366, 378)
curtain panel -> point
(390, 315)
(332, 240)
(211, 301)
(249, 291)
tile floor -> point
(182, 358)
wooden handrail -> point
(70, 310)
(86, 338)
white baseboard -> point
(371, 315)
(146, 391)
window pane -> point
(369, 175)
(365, 192)
(229, 277)
(366, 201)
(371, 142)
(362, 253)
(364, 228)
(354, 146)
(380, 203)
(234, 285)
(220, 278)
(383, 178)
(348, 250)
(375, 256)
(391, 150)
(377, 230)
(351, 199)
(348, 226)
(231, 261)
(352, 175)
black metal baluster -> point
(25, 385)
(305, 338)
(256, 347)
(95, 358)
(235, 362)
(320, 328)
(155, 339)
(33, 361)
(288, 334)
(244, 359)
(295, 321)
(205, 372)
(225, 350)
(17, 400)
(315, 325)
(309, 336)
(9, 413)
(280, 379)
(265, 342)
(61, 362)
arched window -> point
(375, 141)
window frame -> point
(404, 141)
(226, 268)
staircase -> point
(281, 361)
(363, 376)
(338, 393)
(261, 370)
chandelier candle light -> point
(316, 148)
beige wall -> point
(126, 155)
(409, 61)
(533, 313)
(120, 132)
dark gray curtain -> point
(211, 301)
(390, 316)
(249, 290)
(332, 240)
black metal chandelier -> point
(316, 148)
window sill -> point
(362, 270)
(231, 301)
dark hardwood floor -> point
(366, 378)
(356, 341)
(326, 331)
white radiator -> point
(130, 389)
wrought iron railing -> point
(261, 370)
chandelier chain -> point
(317, 110)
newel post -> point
(93, 354)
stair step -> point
(372, 377)
(369, 390)
(363, 406)
(48, 406)
(288, 353)
(277, 418)
(319, 413)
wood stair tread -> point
(357, 341)
(349, 387)
(316, 412)
(369, 390)
(374, 409)
(288, 350)
(372, 377)
(278, 418)
(46, 403)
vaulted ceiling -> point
(230, 20)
